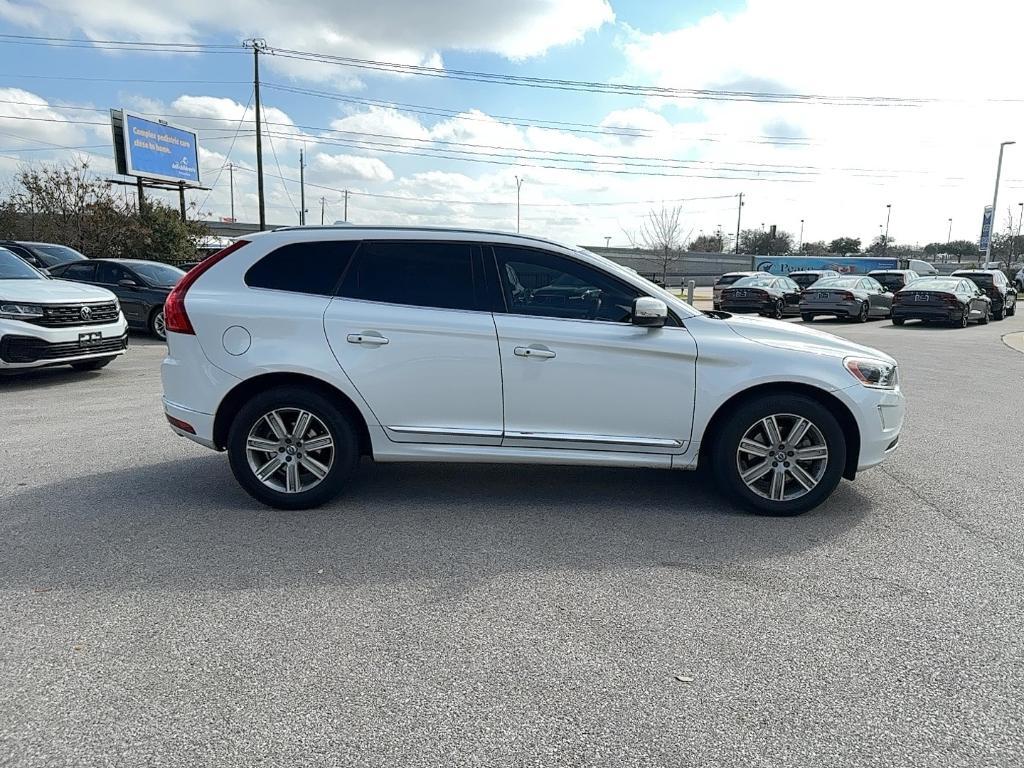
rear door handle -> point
(533, 352)
(369, 339)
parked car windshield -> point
(163, 275)
(52, 255)
(838, 282)
(755, 282)
(13, 268)
(934, 284)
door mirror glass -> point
(649, 312)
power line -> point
(82, 78)
(278, 164)
(234, 137)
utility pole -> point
(345, 217)
(323, 201)
(258, 44)
(801, 246)
(739, 218)
(949, 232)
(607, 240)
(231, 182)
(519, 186)
(302, 189)
(995, 199)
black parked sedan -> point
(141, 286)
(853, 298)
(43, 256)
(997, 287)
(768, 296)
(953, 300)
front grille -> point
(28, 349)
(67, 315)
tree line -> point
(67, 204)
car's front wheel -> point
(780, 454)
(292, 448)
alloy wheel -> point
(160, 325)
(782, 457)
(290, 450)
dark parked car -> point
(141, 286)
(997, 287)
(853, 298)
(805, 278)
(42, 255)
(769, 296)
(894, 279)
(952, 300)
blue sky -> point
(931, 161)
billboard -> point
(847, 265)
(986, 229)
(154, 149)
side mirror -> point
(649, 312)
(126, 283)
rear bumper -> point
(193, 387)
(839, 309)
(24, 345)
(201, 423)
(740, 307)
(934, 314)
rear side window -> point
(314, 267)
(80, 270)
(419, 274)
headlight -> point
(876, 374)
(20, 311)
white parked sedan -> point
(301, 349)
(51, 322)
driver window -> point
(110, 273)
(544, 284)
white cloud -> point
(345, 167)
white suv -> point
(50, 322)
(301, 349)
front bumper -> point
(879, 414)
(24, 345)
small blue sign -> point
(986, 229)
(156, 150)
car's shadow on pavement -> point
(187, 525)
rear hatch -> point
(929, 299)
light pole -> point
(995, 199)
(801, 246)
(519, 186)
(607, 241)
(885, 242)
(949, 232)
(1013, 240)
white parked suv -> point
(301, 349)
(47, 322)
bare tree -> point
(662, 232)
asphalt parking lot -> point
(153, 614)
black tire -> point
(341, 429)
(983, 320)
(1011, 311)
(92, 365)
(899, 320)
(997, 315)
(725, 444)
(807, 318)
(156, 324)
(864, 314)
(779, 310)
(963, 320)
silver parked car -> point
(853, 298)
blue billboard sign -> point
(986, 229)
(157, 150)
(846, 265)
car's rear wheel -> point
(92, 365)
(965, 318)
(806, 317)
(291, 448)
(898, 321)
(778, 310)
(779, 455)
(157, 326)
(865, 310)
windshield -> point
(755, 282)
(838, 282)
(52, 255)
(926, 284)
(13, 268)
(159, 274)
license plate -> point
(741, 294)
(89, 339)
(822, 295)
(920, 297)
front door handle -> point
(369, 339)
(533, 352)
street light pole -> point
(995, 199)
(949, 232)
(885, 243)
(607, 240)
(801, 246)
(519, 186)
(739, 218)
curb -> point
(1014, 341)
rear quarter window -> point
(313, 267)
